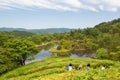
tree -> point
(22, 49)
(7, 60)
(37, 39)
(115, 55)
(4, 37)
(94, 32)
(105, 41)
(102, 53)
(65, 44)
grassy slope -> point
(54, 69)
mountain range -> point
(38, 31)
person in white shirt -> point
(70, 67)
(103, 67)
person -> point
(70, 67)
(103, 67)
(79, 67)
(88, 66)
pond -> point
(45, 53)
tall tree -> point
(22, 48)
(7, 60)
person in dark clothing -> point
(79, 67)
(88, 66)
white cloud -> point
(104, 5)
(63, 5)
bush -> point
(115, 56)
(102, 53)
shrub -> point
(102, 53)
(115, 56)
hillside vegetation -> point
(109, 27)
(104, 37)
(103, 40)
(53, 68)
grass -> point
(53, 68)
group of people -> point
(70, 67)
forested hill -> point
(103, 36)
(111, 26)
(22, 34)
(38, 31)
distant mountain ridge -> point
(12, 29)
(38, 31)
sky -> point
(42, 14)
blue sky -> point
(41, 14)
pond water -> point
(45, 53)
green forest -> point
(103, 40)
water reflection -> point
(74, 56)
(45, 53)
(40, 56)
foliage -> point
(102, 53)
(22, 34)
(109, 27)
(40, 39)
(36, 39)
(4, 36)
(7, 60)
(23, 48)
(64, 44)
(93, 32)
(115, 55)
(105, 35)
